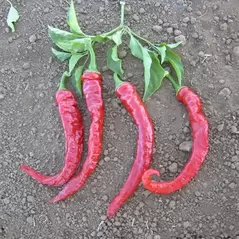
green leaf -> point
(174, 45)
(113, 61)
(117, 38)
(73, 61)
(72, 20)
(62, 56)
(73, 46)
(176, 63)
(162, 52)
(157, 74)
(57, 35)
(136, 47)
(100, 38)
(147, 61)
(76, 80)
(12, 17)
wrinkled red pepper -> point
(73, 129)
(199, 125)
(132, 102)
(92, 89)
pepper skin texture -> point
(92, 89)
(73, 130)
(199, 126)
(132, 102)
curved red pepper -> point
(132, 102)
(92, 89)
(199, 127)
(73, 129)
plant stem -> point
(122, 3)
(92, 65)
(141, 38)
(64, 77)
(112, 31)
(176, 86)
(117, 80)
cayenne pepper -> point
(72, 122)
(92, 89)
(199, 126)
(129, 97)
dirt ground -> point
(31, 131)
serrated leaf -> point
(12, 17)
(72, 20)
(176, 63)
(117, 38)
(157, 74)
(76, 80)
(73, 61)
(162, 52)
(62, 56)
(136, 47)
(113, 61)
(57, 35)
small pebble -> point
(32, 38)
(26, 65)
(195, 35)
(157, 237)
(177, 32)
(141, 10)
(157, 28)
(225, 92)
(234, 129)
(223, 27)
(169, 30)
(172, 204)
(193, 20)
(186, 224)
(232, 185)
(30, 220)
(136, 17)
(220, 127)
(236, 51)
(122, 54)
(173, 168)
(186, 146)
(186, 20)
(30, 198)
(181, 38)
(105, 198)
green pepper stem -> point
(122, 3)
(117, 80)
(92, 65)
(64, 77)
(176, 86)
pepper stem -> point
(122, 3)
(176, 86)
(64, 77)
(92, 65)
(117, 80)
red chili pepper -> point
(73, 129)
(199, 127)
(92, 89)
(131, 100)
